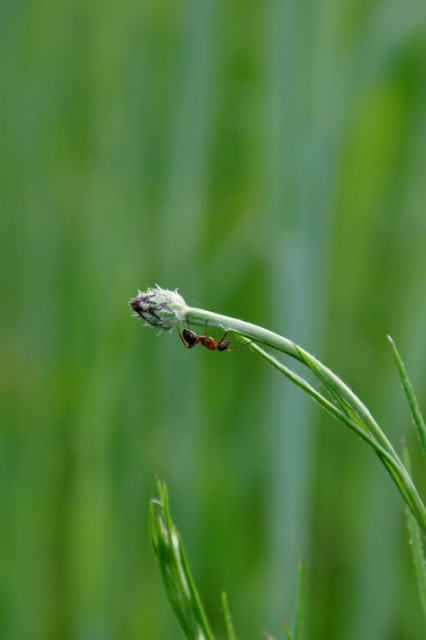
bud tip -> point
(160, 308)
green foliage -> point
(345, 406)
(180, 586)
(177, 578)
(269, 158)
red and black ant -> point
(190, 339)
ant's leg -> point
(239, 347)
(222, 338)
(183, 340)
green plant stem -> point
(321, 400)
(397, 471)
(202, 317)
(350, 406)
(271, 339)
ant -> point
(190, 339)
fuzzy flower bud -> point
(160, 308)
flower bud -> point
(160, 308)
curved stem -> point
(351, 411)
(201, 317)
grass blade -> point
(178, 582)
(416, 544)
(287, 631)
(299, 623)
(367, 432)
(322, 401)
(411, 396)
(230, 634)
(366, 421)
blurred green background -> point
(268, 159)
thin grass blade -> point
(416, 544)
(230, 634)
(178, 582)
(382, 447)
(299, 623)
(347, 400)
(287, 631)
(322, 401)
(411, 396)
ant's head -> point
(190, 337)
(223, 345)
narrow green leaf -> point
(416, 544)
(321, 400)
(299, 623)
(169, 570)
(230, 634)
(287, 631)
(178, 582)
(195, 598)
(347, 398)
(411, 396)
(371, 432)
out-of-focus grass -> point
(269, 160)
